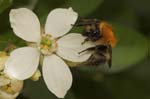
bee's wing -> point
(96, 59)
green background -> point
(129, 77)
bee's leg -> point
(110, 60)
(88, 49)
(85, 40)
(81, 23)
(110, 63)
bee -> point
(102, 35)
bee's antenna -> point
(84, 22)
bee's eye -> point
(96, 31)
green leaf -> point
(80, 6)
(83, 7)
(43, 8)
(30, 4)
(4, 4)
(8, 37)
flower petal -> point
(25, 24)
(59, 21)
(57, 75)
(22, 63)
(70, 45)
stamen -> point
(47, 45)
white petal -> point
(57, 75)
(59, 21)
(70, 45)
(25, 24)
(22, 63)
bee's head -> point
(92, 32)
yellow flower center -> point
(47, 45)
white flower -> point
(53, 44)
(9, 87)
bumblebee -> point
(100, 33)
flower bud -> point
(36, 76)
(3, 58)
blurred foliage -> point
(4, 4)
(129, 51)
(6, 39)
(130, 19)
(83, 7)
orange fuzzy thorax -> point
(108, 36)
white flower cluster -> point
(53, 44)
(9, 87)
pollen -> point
(47, 44)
